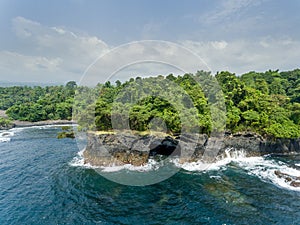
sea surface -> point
(43, 181)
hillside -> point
(267, 103)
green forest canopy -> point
(267, 103)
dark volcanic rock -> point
(292, 180)
(166, 147)
(255, 145)
(124, 148)
(117, 149)
(295, 183)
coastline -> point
(19, 124)
(109, 148)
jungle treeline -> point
(267, 103)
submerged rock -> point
(293, 180)
(66, 134)
(295, 183)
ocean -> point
(43, 181)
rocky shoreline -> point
(17, 123)
(105, 149)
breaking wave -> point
(262, 167)
(78, 161)
(5, 136)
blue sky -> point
(55, 41)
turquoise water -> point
(41, 183)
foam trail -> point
(18, 129)
(5, 136)
(261, 167)
(265, 170)
(4, 139)
(151, 165)
(78, 161)
(230, 155)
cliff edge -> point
(104, 149)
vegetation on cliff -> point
(267, 103)
(5, 123)
(38, 103)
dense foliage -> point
(4, 123)
(170, 104)
(37, 103)
(267, 103)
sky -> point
(57, 41)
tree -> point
(71, 85)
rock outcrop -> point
(105, 149)
(255, 145)
(294, 181)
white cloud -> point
(219, 44)
(143, 58)
(226, 9)
(15, 67)
(55, 52)
(24, 28)
(241, 56)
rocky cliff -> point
(106, 148)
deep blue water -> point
(38, 185)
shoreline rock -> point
(106, 149)
(19, 124)
(293, 181)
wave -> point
(78, 161)
(5, 136)
(262, 167)
(266, 169)
(41, 127)
(152, 164)
(220, 163)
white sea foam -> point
(230, 155)
(5, 136)
(265, 170)
(78, 161)
(41, 127)
(151, 165)
(262, 167)
(4, 139)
